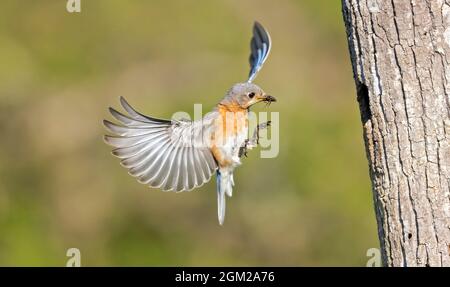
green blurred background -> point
(61, 188)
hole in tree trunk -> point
(362, 93)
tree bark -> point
(400, 52)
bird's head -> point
(244, 95)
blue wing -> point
(260, 49)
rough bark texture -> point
(400, 52)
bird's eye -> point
(251, 95)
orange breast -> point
(232, 120)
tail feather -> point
(224, 187)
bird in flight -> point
(179, 155)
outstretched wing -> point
(260, 49)
(161, 153)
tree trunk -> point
(400, 52)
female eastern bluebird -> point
(180, 155)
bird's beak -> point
(268, 99)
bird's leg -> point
(254, 141)
(243, 149)
(261, 126)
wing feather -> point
(130, 122)
(160, 153)
(173, 170)
(191, 170)
(130, 131)
(260, 45)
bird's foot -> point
(254, 141)
(261, 126)
(243, 149)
